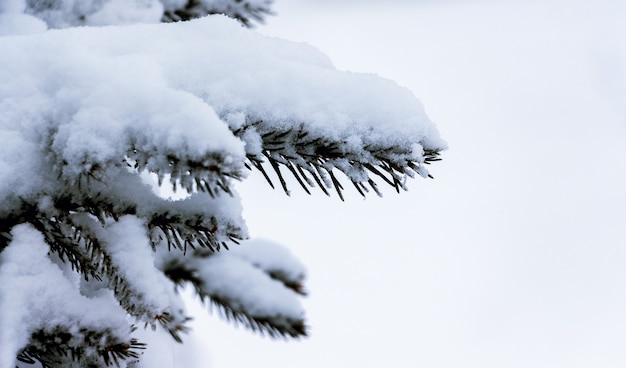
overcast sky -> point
(514, 255)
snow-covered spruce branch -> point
(204, 219)
(200, 220)
(43, 314)
(312, 159)
(108, 260)
(246, 285)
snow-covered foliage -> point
(41, 305)
(249, 280)
(87, 250)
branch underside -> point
(208, 175)
(312, 162)
(184, 236)
(273, 326)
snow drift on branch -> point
(96, 93)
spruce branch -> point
(294, 284)
(195, 232)
(80, 233)
(181, 270)
(312, 160)
(274, 326)
(67, 242)
(172, 325)
(184, 224)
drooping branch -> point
(54, 327)
(76, 238)
(274, 326)
(238, 291)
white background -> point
(515, 254)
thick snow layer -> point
(92, 93)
